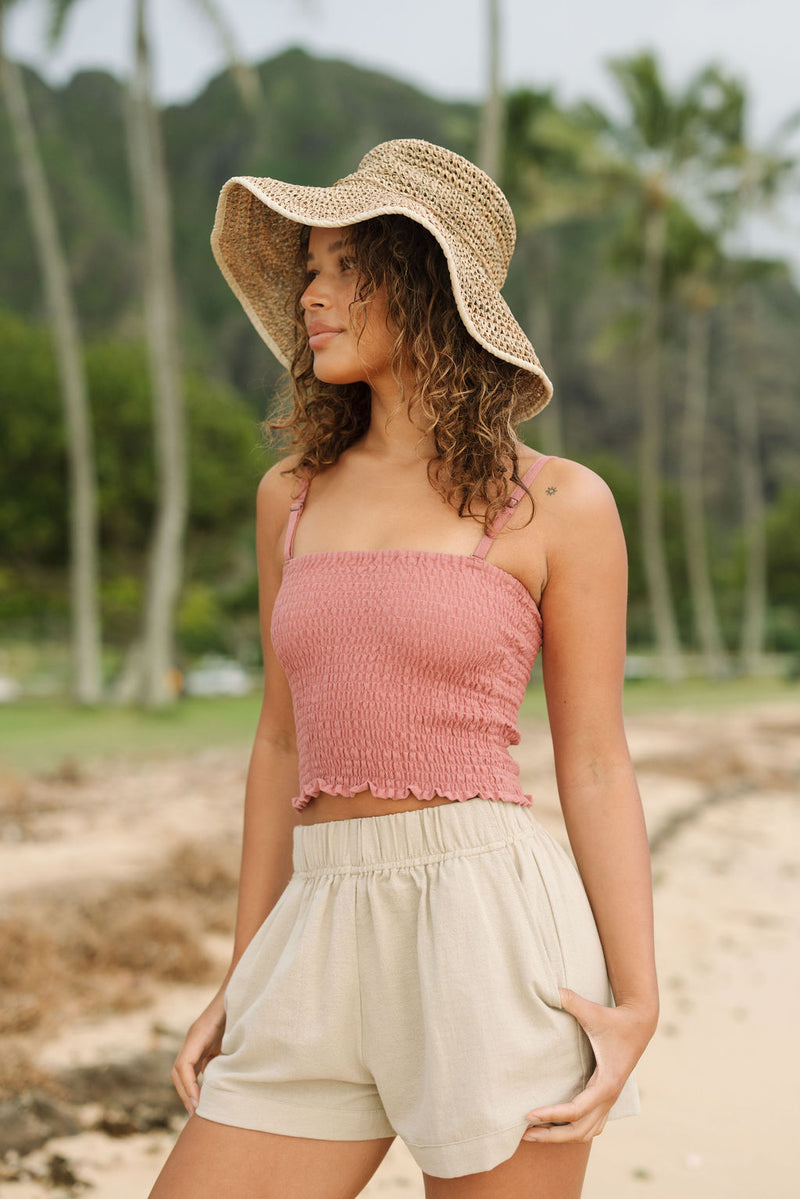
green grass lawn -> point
(694, 695)
(39, 735)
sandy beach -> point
(116, 901)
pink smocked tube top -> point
(407, 667)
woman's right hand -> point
(203, 1042)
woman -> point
(414, 955)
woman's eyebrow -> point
(332, 248)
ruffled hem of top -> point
(383, 791)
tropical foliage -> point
(625, 276)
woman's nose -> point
(313, 296)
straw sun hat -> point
(258, 223)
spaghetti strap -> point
(504, 514)
(294, 515)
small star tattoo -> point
(550, 490)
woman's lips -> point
(318, 340)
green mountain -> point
(317, 119)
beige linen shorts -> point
(406, 982)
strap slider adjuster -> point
(296, 506)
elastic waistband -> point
(409, 838)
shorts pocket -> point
(240, 970)
(583, 962)
(547, 970)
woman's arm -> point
(272, 780)
(583, 609)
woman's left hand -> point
(618, 1036)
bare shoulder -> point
(575, 488)
(277, 489)
(575, 510)
(582, 531)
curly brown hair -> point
(462, 394)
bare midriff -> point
(363, 803)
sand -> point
(721, 797)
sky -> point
(439, 46)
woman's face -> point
(344, 352)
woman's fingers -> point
(585, 1116)
(193, 1058)
(579, 1109)
(185, 1083)
(203, 1042)
(581, 1119)
(580, 1130)
(187, 1069)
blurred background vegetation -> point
(676, 362)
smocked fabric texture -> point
(407, 981)
(407, 667)
(256, 239)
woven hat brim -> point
(255, 242)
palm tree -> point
(554, 171)
(496, 153)
(698, 286)
(149, 177)
(670, 143)
(151, 188)
(744, 278)
(83, 519)
(756, 179)
(490, 146)
(751, 490)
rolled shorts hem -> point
(477, 1154)
(294, 1120)
(472, 1156)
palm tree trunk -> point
(83, 518)
(538, 256)
(490, 146)
(161, 316)
(754, 612)
(653, 549)
(751, 487)
(692, 499)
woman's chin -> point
(327, 373)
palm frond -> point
(245, 78)
(787, 128)
(639, 79)
(59, 11)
